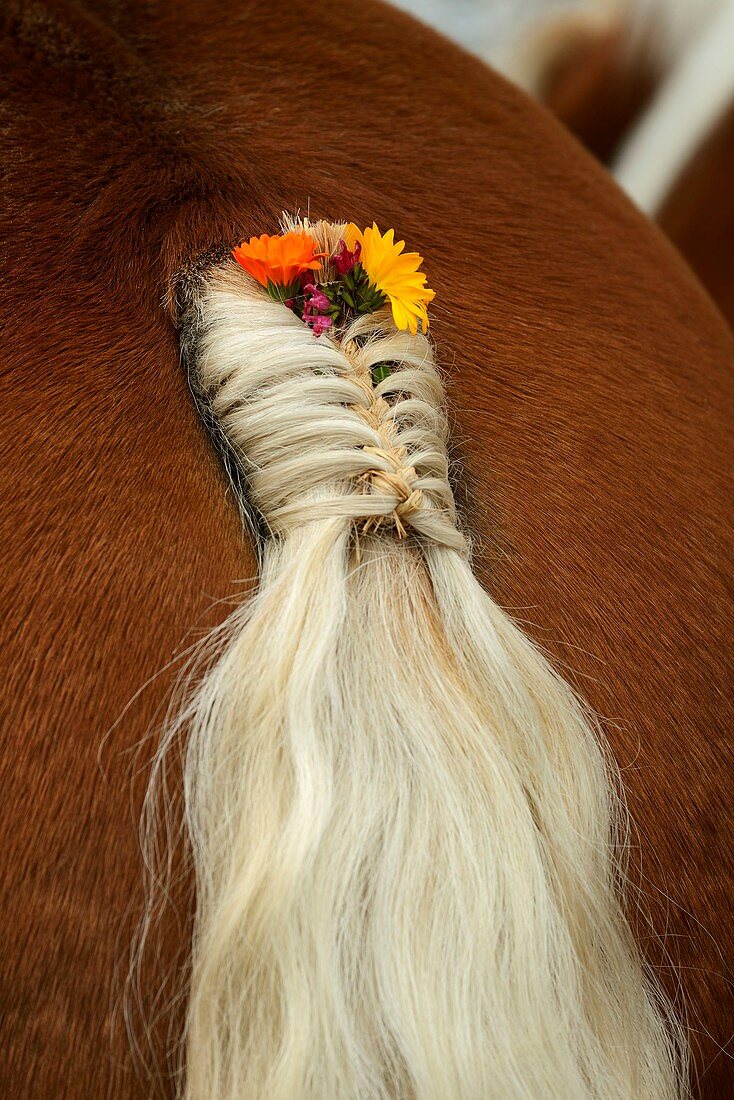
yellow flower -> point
(395, 273)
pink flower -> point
(344, 260)
(316, 308)
(319, 323)
(317, 300)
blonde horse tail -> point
(405, 832)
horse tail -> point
(406, 835)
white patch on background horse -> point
(690, 100)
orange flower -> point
(279, 260)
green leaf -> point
(380, 372)
(283, 293)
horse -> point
(647, 87)
(589, 390)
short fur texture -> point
(594, 439)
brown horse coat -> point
(590, 390)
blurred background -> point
(646, 85)
(487, 27)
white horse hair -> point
(407, 839)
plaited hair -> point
(404, 829)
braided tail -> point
(403, 826)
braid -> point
(403, 825)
